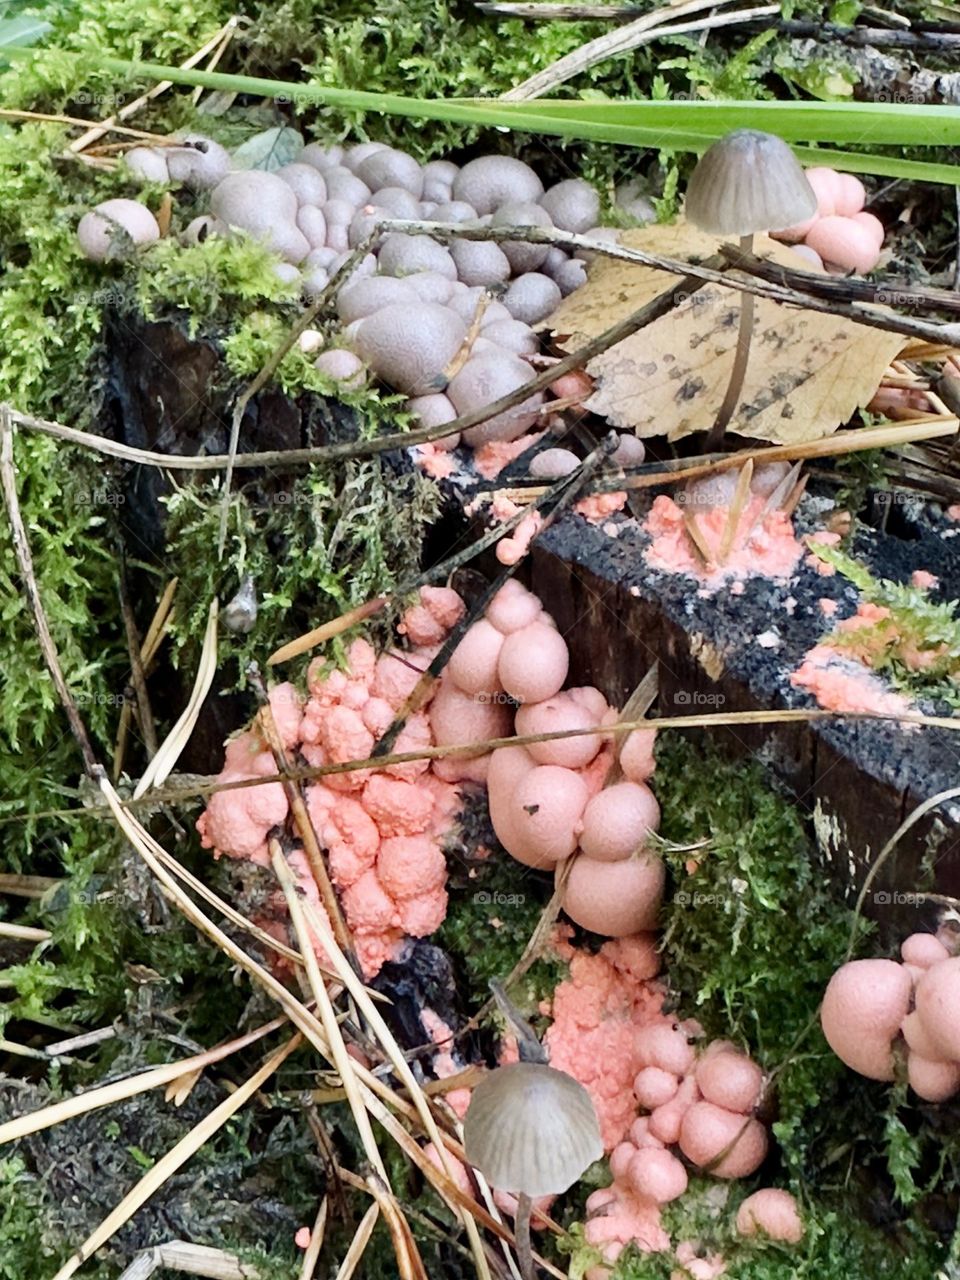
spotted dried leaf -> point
(807, 372)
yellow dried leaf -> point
(807, 371)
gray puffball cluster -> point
(314, 211)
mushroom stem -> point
(737, 373)
(521, 1233)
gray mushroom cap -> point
(263, 205)
(198, 162)
(147, 163)
(410, 347)
(748, 181)
(531, 1129)
(491, 181)
(573, 205)
(113, 229)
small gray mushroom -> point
(312, 223)
(391, 168)
(401, 255)
(434, 411)
(573, 205)
(397, 202)
(198, 162)
(239, 614)
(438, 177)
(344, 185)
(532, 297)
(361, 298)
(410, 356)
(570, 276)
(321, 157)
(522, 256)
(552, 464)
(630, 198)
(480, 262)
(202, 227)
(146, 163)
(491, 181)
(431, 286)
(630, 452)
(455, 211)
(354, 156)
(265, 207)
(341, 366)
(483, 380)
(305, 181)
(512, 335)
(287, 272)
(115, 229)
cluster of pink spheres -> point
(840, 235)
(659, 1091)
(874, 1010)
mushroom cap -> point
(353, 157)
(531, 1129)
(772, 1211)
(618, 821)
(430, 286)
(341, 366)
(657, 1174)
(198, 229)
(114, 228)
(387, 167)
(402, 255)
(522, 213)
(918, 1041)
(512, 335)
(482, 381)
(513, 607)
(407, 356)
(533, 662)
(344, 185)
(305, 181)
(573, 205)
(459, 719)
(748, 181)
(938, 1004)
(312, 224)
(615, 899)
(931, 1080)
(361, 298)
(863, 1007)
(480, 262)
(570, 276)
(544, 810)
(844, 242)
(923, 950)
(636, 756)
(553, 715)
(473, 664)
(652, 1087)
(147, 163)
(198, 162)
(490, 181)
(706, 1130)
(321, 157)
(263, 205)
(532, 297)
(731, 1080)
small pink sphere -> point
(615, 899)
(653, 1086)
(850, 197)
(923, 950)
(773, 1212)
(618, 821)
(811, 258)
(545, 812)
(552, 716)
(473, 664)
(872, 224)
(533, 663)
(844, 243)
(513, 607)
(636, 757)
(730, 1080)
(458, 718)
(658, 1175)
(827, 187)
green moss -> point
(917, 645)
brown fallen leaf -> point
(807, 372)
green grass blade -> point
(687, 126)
